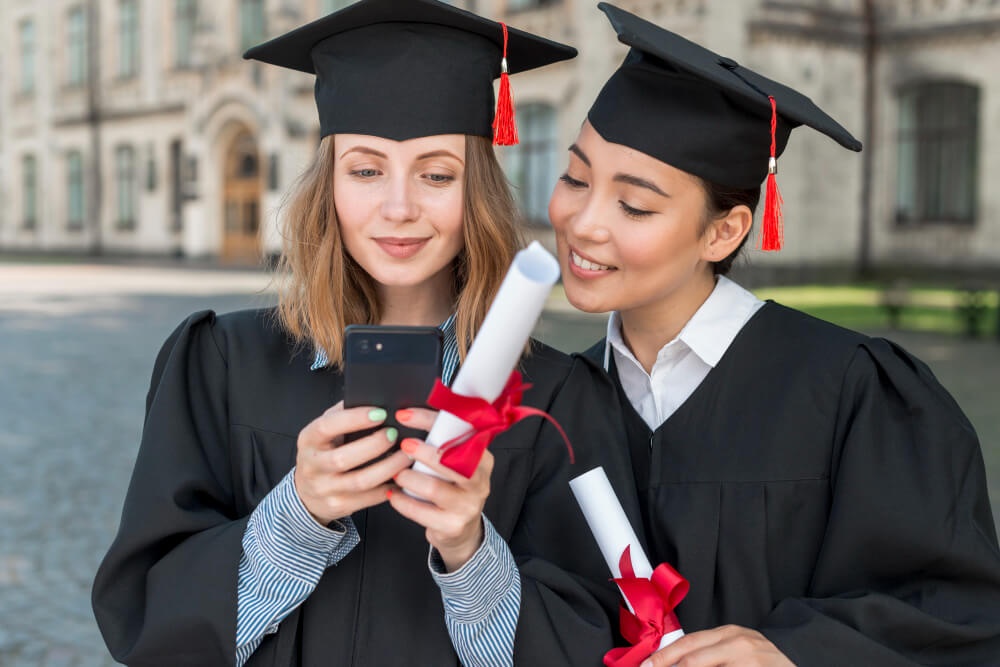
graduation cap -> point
(704, 113)
(401, 69)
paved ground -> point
(77, 347)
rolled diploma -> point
(612, 530)
(501, 339)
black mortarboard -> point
(701, 112)
(401, 69)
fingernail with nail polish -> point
(377, 415)
(409, 445)
(388, 494)
(404, 415)
(391, 434)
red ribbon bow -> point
(653, 601)
(488, 420)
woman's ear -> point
(725, 234)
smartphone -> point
(391, 367)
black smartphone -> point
(391, 367)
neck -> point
(428, 304)
(648, 328)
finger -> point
(337, 421)
(438, 492)
(420, 419)
(376, 474)
(422, 513)
(431, 457)
(347, 457)
(738, 646)
(340, 507)
(326, 506)
(688, 646)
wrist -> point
(455, 556)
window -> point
(938, 138)
(328, 6)
(532, 165)
(27, 36)
(76, 51)
(185, 23)
(519, 5)
(126, 187)
(176, 185)
(74, 190)
(252, 24)
(128, 39)
(29, 183)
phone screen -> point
(390, 367)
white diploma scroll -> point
(612, 530)
(501, 339)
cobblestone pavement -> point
(77, 348)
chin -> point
(587, 301)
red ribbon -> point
(488, 420)
(653, 601)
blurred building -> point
(134, 126)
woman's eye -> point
(440, 178)
(365, 173)
(632, 212)
(572, 182)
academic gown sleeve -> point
(165, 593)
(909, 570)
(564, 616)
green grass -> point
(928, 309)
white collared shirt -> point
(683, 363)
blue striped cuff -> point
(472, 592)
(289, 536)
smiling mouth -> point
(586, 264)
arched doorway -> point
(241, 201)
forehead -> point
(410, 148)
(611, 158)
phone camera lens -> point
(363, 345)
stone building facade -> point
(135, 127)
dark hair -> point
(719, 200)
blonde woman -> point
(252, 533)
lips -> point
(400, 247)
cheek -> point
(655, 245)
(349, 206)
(560, 209)
(446, 211)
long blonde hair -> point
(322, 289)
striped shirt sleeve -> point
(285, 552)
(482, 600)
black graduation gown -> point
(821, 487)
(229, 395)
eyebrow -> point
(364, 149)
(440, 153)
(580, 154)
(629, 179)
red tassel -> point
(772, 234)
(504, 125)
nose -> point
(588, 222)
(399, 204)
